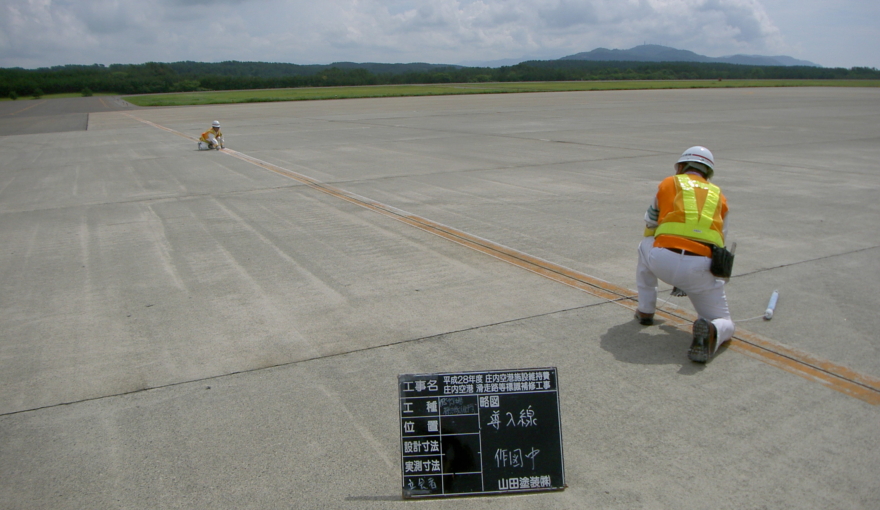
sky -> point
(43, 33)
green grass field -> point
(313, 93)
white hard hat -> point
(701, 155)
(216, 123)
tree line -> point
(154, 77)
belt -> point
(683, 252)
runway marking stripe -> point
(163, 128)
(795, 361)
(26, 108)
(823, 376)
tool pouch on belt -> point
(722, 262)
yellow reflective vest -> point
(210, 135)
(696, 212)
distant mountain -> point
(657, 53)
(379, 68)
(496, 63)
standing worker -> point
(685, 226)
(212, 138)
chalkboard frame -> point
(502, 420)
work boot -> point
(705, 340)
(645, 319)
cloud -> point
(49, 32)
(501, 27)
(568, 13)
(744, 21)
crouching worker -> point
(687, 218)
(212, 138)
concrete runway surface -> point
(185, 329)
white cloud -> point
(455, 30)
(841, 33)
(565, 14)
(50, 32)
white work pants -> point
(689, 273)
(212, 143)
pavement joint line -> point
(802, 167)
(301, 361)
(833, 255)
(649, 152)
(789, 359)
(156, 199)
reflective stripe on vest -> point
(697, 224)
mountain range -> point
(658, 53)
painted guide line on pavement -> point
(26, 108)
(795, 361)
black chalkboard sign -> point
(477, 433)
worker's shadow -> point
(631, 342)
